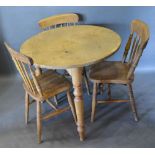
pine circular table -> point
(72, 48)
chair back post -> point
(54, 21)
(127, 47)
(24, 65)
(138, 40)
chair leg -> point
(101, 89)
(27, 106)
(72, 106)
(132, 103)
(86, 81)
(109, 92)
(94, 102)
(56, 100)
(39, 122)
(98, 90)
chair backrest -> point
(61, 19)
(136, 44)
(25, 67)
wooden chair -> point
(121, 72)
(62, 20)
(41, 88)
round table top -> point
(70, 47)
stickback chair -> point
(121, 72)
(41, 88)
(63, 20)
(58, 20)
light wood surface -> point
(110, 72)
(41, 88)
(122, 72)
(72, 48)
(62, 20)
(69, 47)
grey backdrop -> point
(19, 23)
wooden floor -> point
(114, 126)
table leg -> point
(76, 74)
